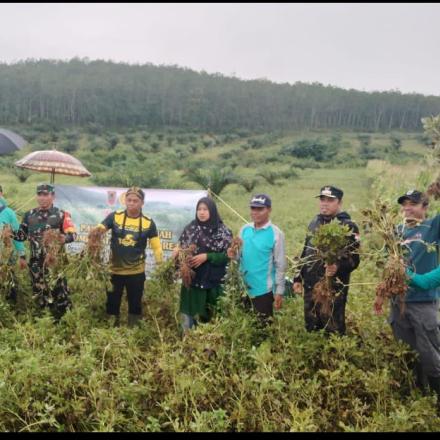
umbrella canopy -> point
(10, 141)
(54, 162)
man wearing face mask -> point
(35, 222)
(330, 207)
(418, 324)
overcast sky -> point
(361, 46)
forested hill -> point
(82, 92)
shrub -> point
(307, 148)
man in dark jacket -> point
(330, 205)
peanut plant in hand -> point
(386, 247)
(331, 242)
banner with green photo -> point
(170, 209)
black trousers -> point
(316, 320)
(11, 295)
(262, 305)
(134, 284)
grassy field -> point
(84, 375)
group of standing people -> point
(262, 262)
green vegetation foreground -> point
(84, 375)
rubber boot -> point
(421, 379)
(133, 319)
(434, 383)
(114, 319)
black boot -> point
(434, 383)
(421, 379)
(113, 320)
(133, 319)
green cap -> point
(45, 187)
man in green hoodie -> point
(418, 325)
(8, 218)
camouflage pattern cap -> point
(45, 187)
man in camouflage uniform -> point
(35, 223)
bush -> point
(69, 146)
(395, 143)
(367, 152)
(255, 143)
(194, 148)
(112, 140)
(21, 174)
(364, 140)
(307, 148)
(155, 146)
(226, 155)
(208, 143)
(94, 128)
(129, 138)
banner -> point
(170, 209)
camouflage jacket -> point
(37, 220)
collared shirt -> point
(420, 259)
(263, 259)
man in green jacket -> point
(8, 218)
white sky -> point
(364, 46)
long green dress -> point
(201, 303)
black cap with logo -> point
(331, 191)
(260, 201)
(413, 195)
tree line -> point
(81, 92)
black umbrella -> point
(10, 141)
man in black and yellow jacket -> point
(130, 231)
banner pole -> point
(230, 207)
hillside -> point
(98, 93)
